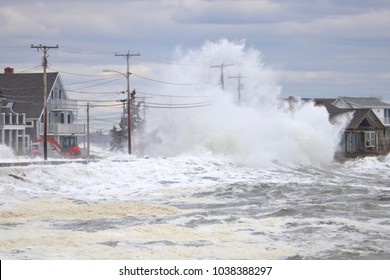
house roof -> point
(320, 101)
(26, 91)
(366, 102)
(358, 115)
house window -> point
(369, 139)
(387, 116)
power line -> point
(165, 82)
(175, 107)
(112, 106)
(169, 95)
(107, 115)
(29, 69)
(98, 84)
(83, 52)
(79, 74)
(201, 104)
(151, 57)
(92, 92)
(96, 100)
(177, 104)
(97, 119)
(12, 44)
(94, 80)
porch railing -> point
(64, 129)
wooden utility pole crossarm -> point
(44, 64)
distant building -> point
(21, 110)
(368, 129)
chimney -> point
(8, 70)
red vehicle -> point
(69, 146)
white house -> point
(22, 102)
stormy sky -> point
(317, 48)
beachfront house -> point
(364, 133)
(22, 104)
(377, 129)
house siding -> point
(25, 91)
(374, 121)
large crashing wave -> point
(256, 128)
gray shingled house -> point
(365, 133)
(377, 128)
(21, 110)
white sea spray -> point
(256, 129)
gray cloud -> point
(227, 12)
(313, 42)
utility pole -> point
(221, 66)
(44, 64)
(144, 110)
(123, 118)
(127, 56)
(239, 86)
(88, 131)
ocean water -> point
(217, 178)
(195, 207)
